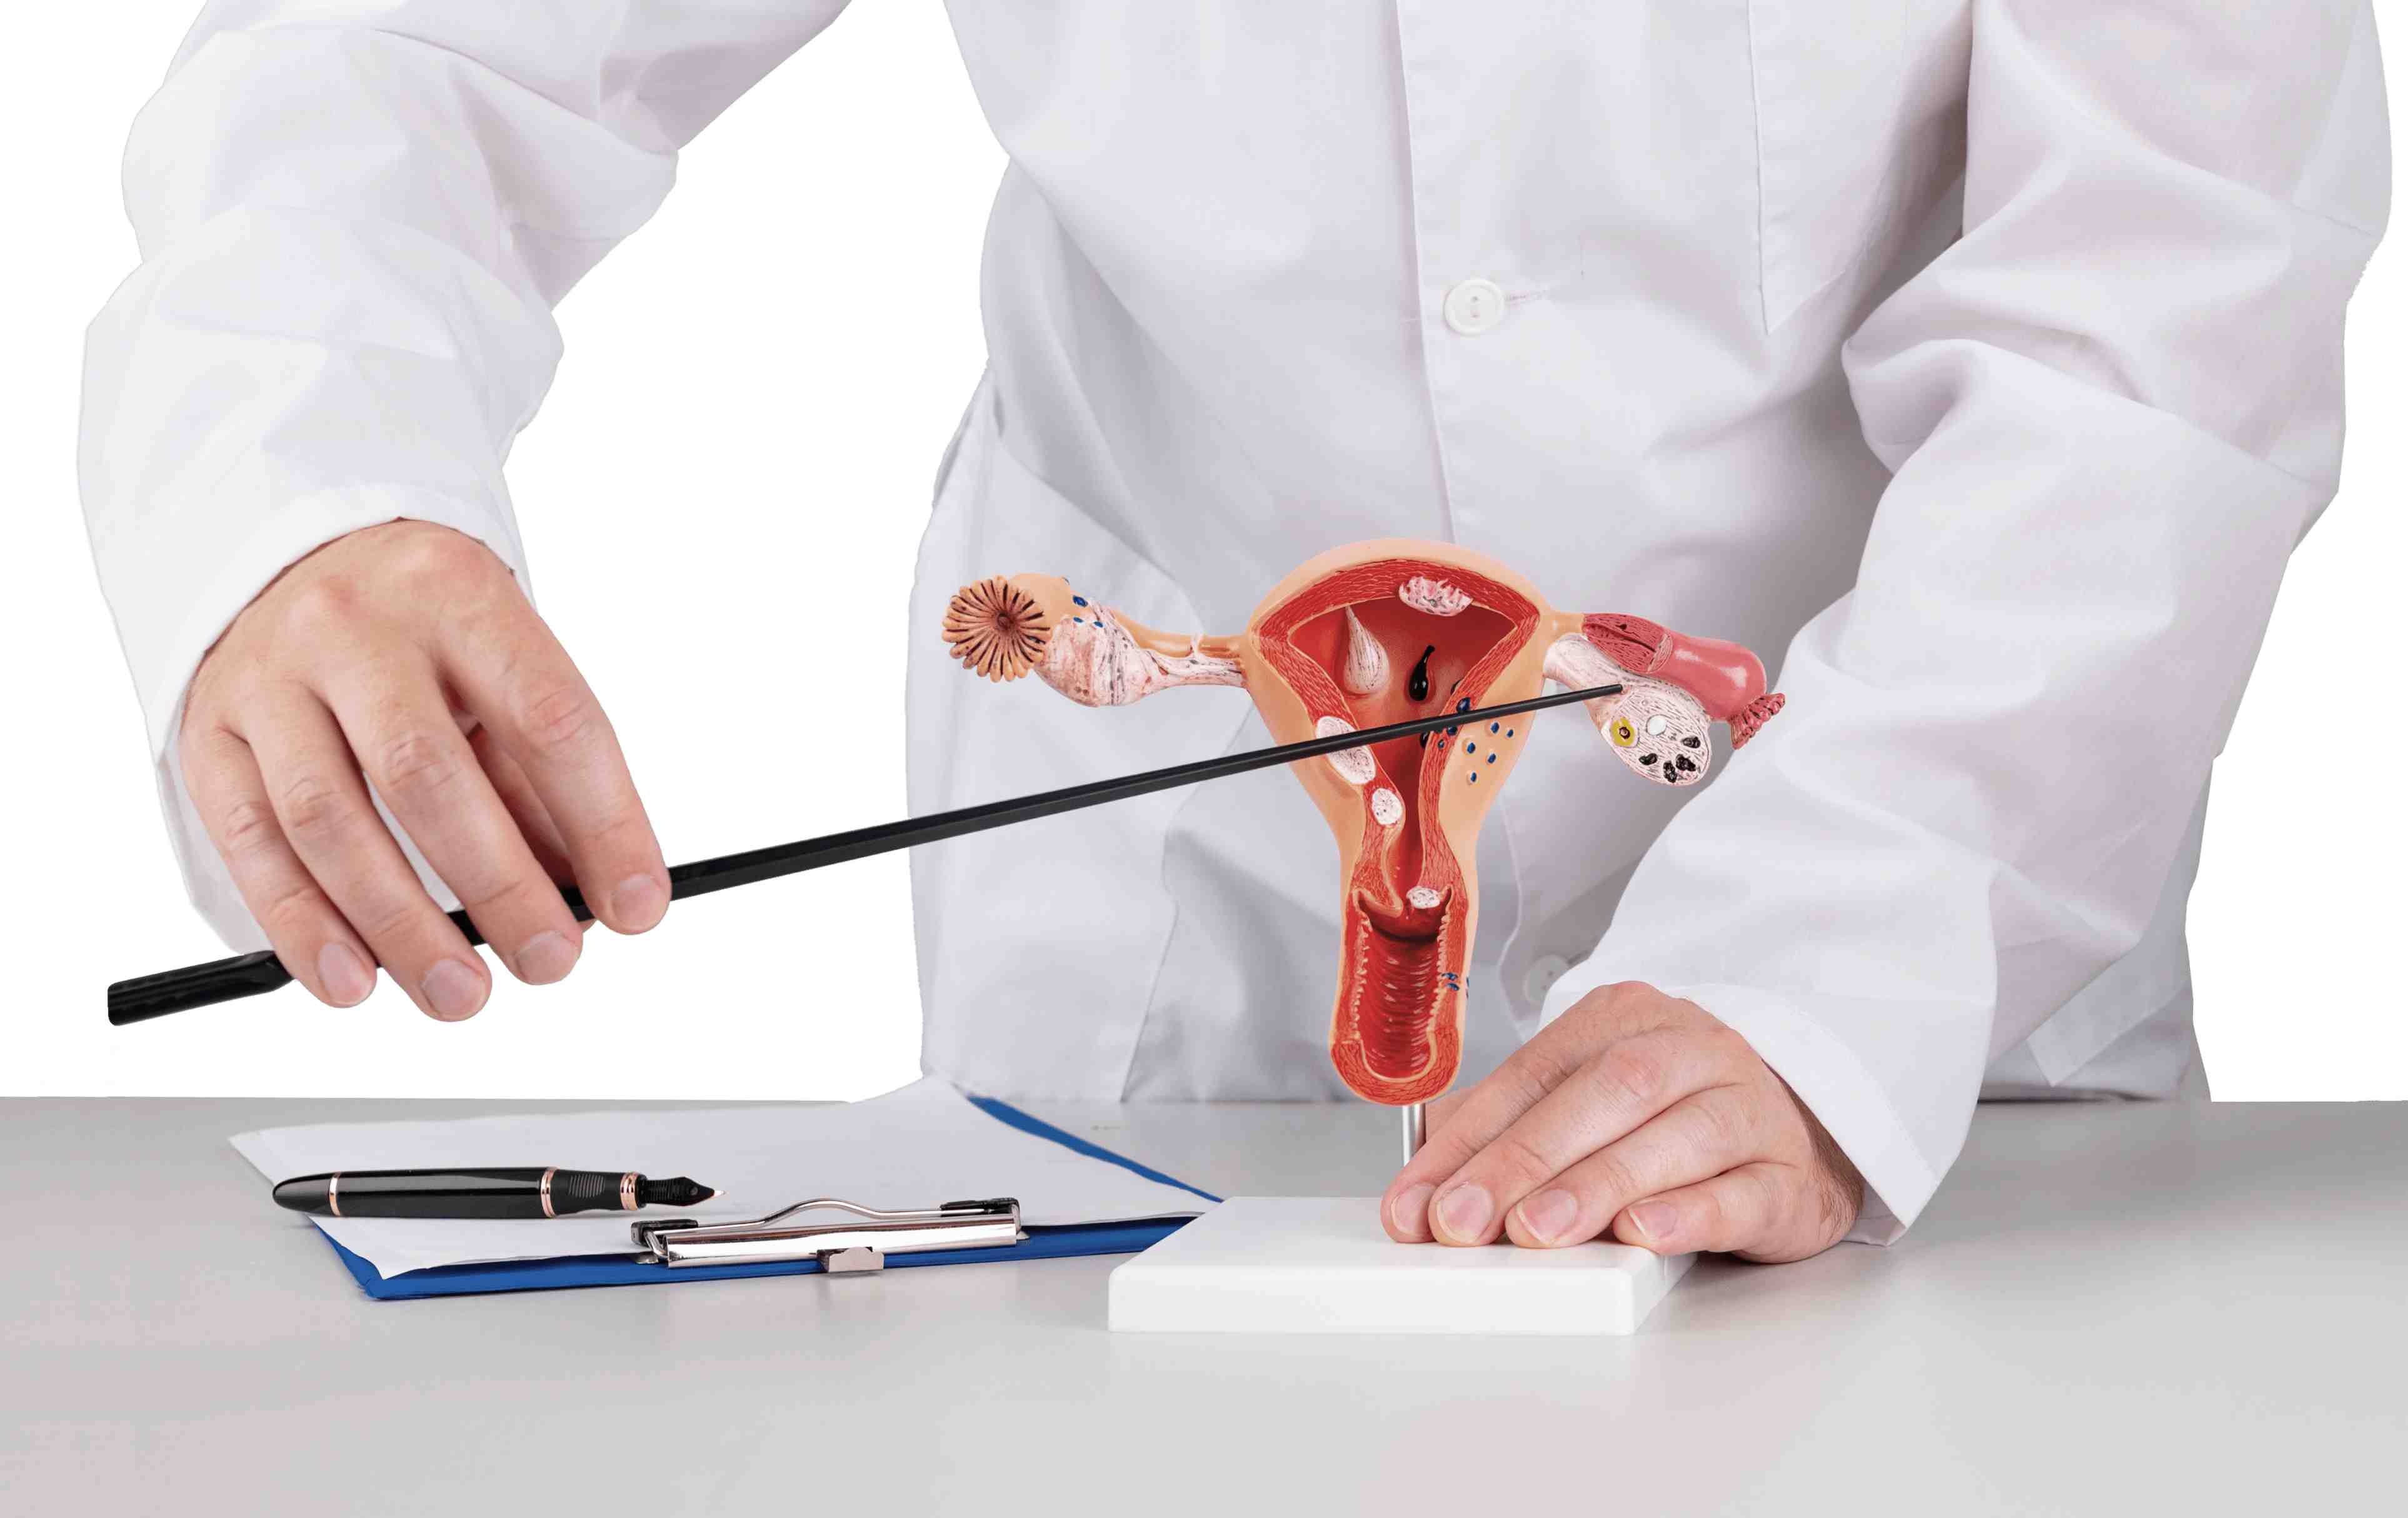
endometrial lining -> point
(1403, 848)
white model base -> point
(1323, 1265)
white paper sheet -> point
(916, 1147)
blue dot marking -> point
(1078, 600)
(1471, 748)
(1492, 727)
(1492, 758)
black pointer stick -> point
(147, 997)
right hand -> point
(406, 658)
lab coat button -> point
(1475, 306)
(1542, 976)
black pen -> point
(518, 1191)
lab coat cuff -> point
(1832, 1082)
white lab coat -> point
(1985, 357)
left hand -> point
(1637, 1114)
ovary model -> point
(1361, 637)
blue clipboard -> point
(1043, 1243)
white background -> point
(722, 498)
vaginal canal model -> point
(1365, 635)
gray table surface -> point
(2121, 1308)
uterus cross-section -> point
(1360, 637)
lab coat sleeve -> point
(2110, 411)
(354, 217)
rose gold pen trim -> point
(546, 1193)
(333, 1183)
(627, 1192)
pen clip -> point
(840, 1247)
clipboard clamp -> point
(845, 1248)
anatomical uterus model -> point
(1362, 637)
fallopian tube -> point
(1379, 633)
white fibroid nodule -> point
(1354, 766)
(1367, 661)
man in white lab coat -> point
(1984, 355)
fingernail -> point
(637, 902)
(1548, 1216)
(1463, 1214)
(545, 958)
(1410, 1211)
(1654, 1221)
(453, 990)
(344, 975)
